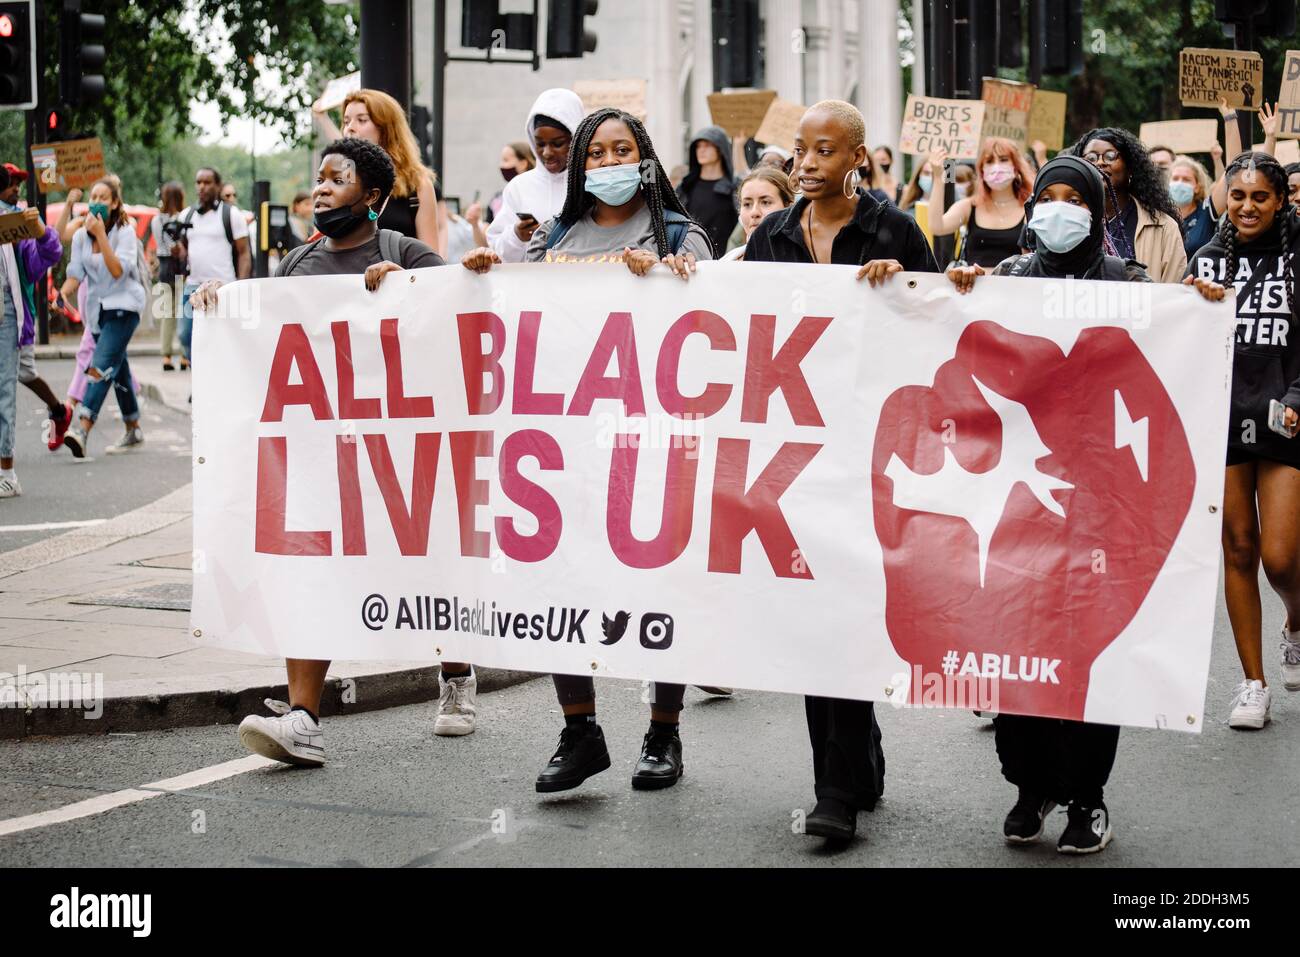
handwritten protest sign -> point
(1288, 100)
(930, 123)
(63, 166)
(1181, 136)
(626, 95)
(1047, 119)
(14, 228)
(1007, 106)
(781, 124)
(740, 113)
(1205, 75)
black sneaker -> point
(660, 765)
(1024, 823)
(1088, 832)
(832, 819)
(581, 754)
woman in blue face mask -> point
(1053, 762)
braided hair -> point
(655, 185)
(1264, 165)
(1146, 183)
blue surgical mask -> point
(1181, 193)
(925, 182)
(614, 185)
(1060, 226)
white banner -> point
(770, 477)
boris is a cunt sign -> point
(769, 476)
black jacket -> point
(721, 218)
(877, 231)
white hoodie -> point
(536, 191)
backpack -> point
(390, 250)
(675, 224)
(1112, 267)
(226, 224)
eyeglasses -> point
(1107, 157)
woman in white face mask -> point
(993, 215)
(1054, 762)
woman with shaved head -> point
(836, 222)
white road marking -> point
(42, 526)
(106, 802)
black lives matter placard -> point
(1205, 75)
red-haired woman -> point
(994, 214)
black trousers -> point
(579, 689)
(1063, 761)
(848, 761)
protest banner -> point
(1288, 100)
(626, 95)
(67, 165)
(1181, 136)
(1007, 105)
(930, 123)
(781, 124)
(1205, 75)
(740, 113)
(14, 228)
(1047, 119)
(771, 477)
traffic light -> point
(55, 126)
(737, 38)
(17, 55)
(1271, 18)
(81, 55)
(483, 26)
(1056, 31)
(567, 35)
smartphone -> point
(1277, 419)
(527, 216)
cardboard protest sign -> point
(1047, 119)
(14, 228)
(1007, 106)
(740, 113)
(1288, 100)
(930, 123)
(1181, 136)
(336, 91)
(626, 95)
(1205, 75)
(694, 483)
(781, 124)
(63, 166)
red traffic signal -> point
(6, 25)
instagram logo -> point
(656, 630)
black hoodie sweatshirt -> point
(712, 203)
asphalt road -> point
(58, 488)
(394, 795)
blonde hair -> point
(1203, 183)
(395, 139)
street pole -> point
(35, 197)
(437, 141)
(941, 67)
(1243, 38)
(386, 49)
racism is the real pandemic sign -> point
(769, 476)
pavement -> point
(110, 595)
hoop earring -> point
(851, 191)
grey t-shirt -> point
(320, 261)
(585, 242)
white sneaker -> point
(131, 441)
(1290, 661)
(1250, 705)
(9, 487)
(293, 737)
(457, 705)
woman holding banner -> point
(834, 222)
(619, 207)
(1255, 251)
(994, 215)
(1053, 761)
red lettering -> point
(542, 447)
(270, 536)
(526, 401)
(292, 348)
(715, 395)
(410, 526)
(354, 520)
(675, 518)
(765, 373)
(616, 338)
(737, 512)
(350, 407)
(400, 405)
(466, 449)
(477, 363)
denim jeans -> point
(116, 326)
(8, 381)
(185, 328)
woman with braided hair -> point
(1141, 219)
(1255, 252)
(620, 208)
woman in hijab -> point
(1053, 761)
(533, 197)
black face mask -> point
(884, 167)
(339, 221)
(508, 173)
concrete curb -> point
(195, 708)
(58, 350)
(154, 394)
